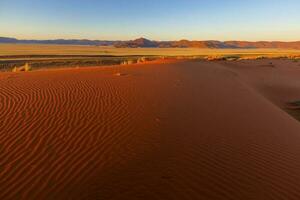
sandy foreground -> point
(172, 130)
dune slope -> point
(174, 130)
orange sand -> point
(174, 130)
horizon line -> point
(142, 37)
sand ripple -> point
(187, 130)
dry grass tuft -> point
(128, 62)
(25, 68)
(214, 58)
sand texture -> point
(163, 130)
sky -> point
(252, 20)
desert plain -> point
(163, 129)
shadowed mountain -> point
(145, 43)
(264, 44)
(141, 42)
(58, 41)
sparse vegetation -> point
(24, 68)
(18, 64)
(142, 60)
(50, 56)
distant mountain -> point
(264, 44)
(145, 43)
(198, 44)
(138, 43)
(8, 40)
(58, 41)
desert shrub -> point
(294, 58)
(27, 67)
(260, 57)
(252, 57)
(214, 58)
(196, 57)
(24, 68)
(129, 62)
(232, 57)
(14, 69)
(125, 62)
(142, 60)
(247, 58)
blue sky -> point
(155, 19)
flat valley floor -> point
(161, 130)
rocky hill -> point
(145, 43)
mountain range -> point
(145, 43)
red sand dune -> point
(175, 130)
